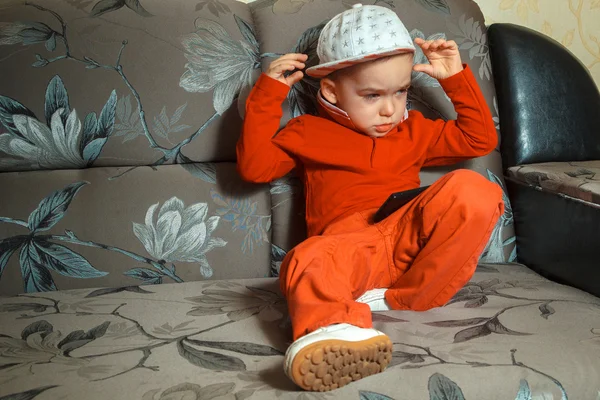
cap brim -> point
(321, 70)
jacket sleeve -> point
(258, 158)
(472, 134)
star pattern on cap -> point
(360, 32)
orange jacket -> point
(345, 171)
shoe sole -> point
(330, 364)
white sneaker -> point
(336, 355)
(375, 299)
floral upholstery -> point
(121, 207)
(509, 334)
(126, 163)
(577, 180)
(118, 124)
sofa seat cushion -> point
(578, 180)
(508, 334)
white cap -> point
(362, 33)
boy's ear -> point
(328, 90)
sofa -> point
(136, 264)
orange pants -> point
(424, 253)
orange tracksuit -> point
(424, 252)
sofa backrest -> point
(284, 26)
(118, 124)
(122, 120)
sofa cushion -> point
(284, 26)
(289, 223)
(161, 74)
(509, 334)
(107, 84)
(121, 226)
(578, 180)
(156, 83)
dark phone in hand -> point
(395, 201)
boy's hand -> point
(287, 62)
(443, 56)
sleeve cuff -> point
(272, 86)
(458, 80)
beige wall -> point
(574, 23)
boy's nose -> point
(387, 109)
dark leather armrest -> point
(548, 103)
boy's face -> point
(372, 93)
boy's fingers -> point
(294, 78)
(433, 45)
(280, 68)
(288, 58)
(291, 67)
(299, 65)
(451, 44)
(425, 44)
(426, 68)
(294, 56)
(436, 44)
(284, 64)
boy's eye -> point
(402, 91)
(371, 96)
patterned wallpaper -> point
(574, 23)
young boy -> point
(362, 147)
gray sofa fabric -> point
(115, 94)
(154, 264)
(509, 334)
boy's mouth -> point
(383, 128)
